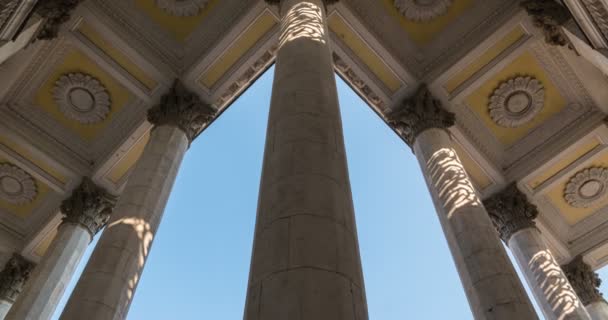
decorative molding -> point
(9, 8)
(358, 84)
(16, 186)
(585, 282)
(247, 77)
(510, 211)
(89, 206)
(587, 187)
(517, 101)
(55, 13)
(182, 8)
(419, 113)
(549, 16)
(14, 17)
(183, 109)
(423, 10)
(599, 14)
(82, 98)
(13, 277)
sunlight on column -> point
(552, 281)
(304, 20)
(142, 228)
(451, 181)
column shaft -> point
(598, 310)
(50, 278)
(549, 284)
(305, 262)
(108, 283)
(492, 286)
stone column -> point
(107, 286)
(305, 263)
(513, 216)
(12, 278)
(491, 284)
(85, 213)
(586, 283)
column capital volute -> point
(14, 275)
(419, 113)
(549, 16)
(510, 211)
(584, 280)
(89, 206)
(183, 109)
(55, 13)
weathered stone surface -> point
(89, 206)
(55, 13)
(549, 16)
(511, 211)
(584, 280)
(182, 109)
(419, 113)
(14, 275)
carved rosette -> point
(13, 277)
(183, 109)
(16, 186)
(89, 206)
(55, 13)
(585, 282)
(510, 211)
(182, 8)
(423, 10)
(587, 187)
(549, 16)
(82, 98)
(419, 113)
(516, 101)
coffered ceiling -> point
(76, 106)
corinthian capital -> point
(55, 13)
(549, 16)
(14, 275)
(183, 109)
(89, 206)
(511, 211)
(419, 113)
(585, 282)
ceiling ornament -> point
(16, 186)
(182, 8)
(82, 98)
(517, 101)
(587, 187)
(423, 10)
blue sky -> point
(198, 267)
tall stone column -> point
(491, 284)
(85, 212)
(586, 283)
(513, 216)
(12, 278)
(305, 263)
(107, 286)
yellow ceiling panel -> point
(121, 59)
(524, 65)
(19, 149)
(244, 43)
(364, 52)
(572, 214)
(563, 162)
(123, 165)
(423, 33)
(179, 27)
(23, 211)
(76, 61)
(486, 58)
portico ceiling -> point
(470, 52)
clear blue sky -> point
(198, 267)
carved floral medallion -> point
(423, 10)
(587, 187)
(517, 101)
(16, 186)
(82, 98)
(182, 8)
